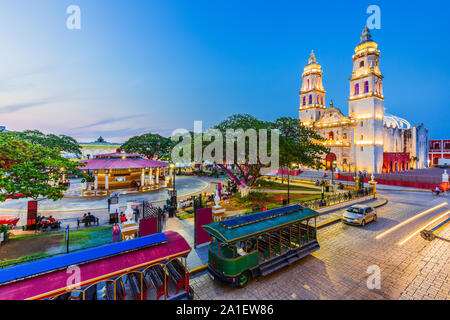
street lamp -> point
(173, 198)
(332, 172)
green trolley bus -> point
(260, 243)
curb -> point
(334, 220)
(197, 270)
(403, 190)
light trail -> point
(381, 235)
(423, 227)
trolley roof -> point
(257, 223)
(50, 276)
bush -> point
(5, 229)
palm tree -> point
(414, 160)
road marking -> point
(381, 235)
(423, 227)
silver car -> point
(359, 215)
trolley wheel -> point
(243, 279)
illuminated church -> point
(368, 139)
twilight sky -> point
(154, 66)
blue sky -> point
(154, 66)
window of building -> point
(318, 99)
(308, 84)
(362, 148)
(361, 64)
(304, 100)
(344, 135)
(362, 123)
(366, 86)
(357, 89)
(310, 99)
(331, 135)
(362, 137)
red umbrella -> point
(9, 220)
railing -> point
(338, 198)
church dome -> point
(396, 122)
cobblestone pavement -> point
(418, 269)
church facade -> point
(367, 139)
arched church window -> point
(366, 86)
(357, 89)
(331, 135)
(321, 100)
(308, 83)
(310, 99)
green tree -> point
(62, 143)
(32, 169)
(299, 144)
(153, 146)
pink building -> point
(438, 149)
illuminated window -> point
(357, 89)
(366, 86)
(310, 99)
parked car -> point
(359, 215)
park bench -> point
(176, 272)
(88, 221)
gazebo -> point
(118, 171)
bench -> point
(91, 293)
(88, 222)
(134, 285)
(109, 291)
(157, 274)
(121, 293)
(176, 272)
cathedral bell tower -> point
(366, 105)
(312, 94)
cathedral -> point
(368, 139)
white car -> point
(359, 215)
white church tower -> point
(366, 105)
(312, 94)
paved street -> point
(418, 269)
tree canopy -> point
(152, 146)
(62, 143)
(297, 144)
(32, 169)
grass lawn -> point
(268, 184)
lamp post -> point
(288, 169)
(173, 198)
(332, 172)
